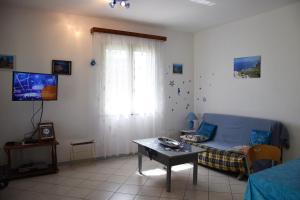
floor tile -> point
(217, 173)
(164, 198)
(82, 175)
(99, 177)
(11, 194)
(201, 186)
(238, 188)
(196, 195)
(108, 186)
(71, 182)
(219, 187)
(136, 180)
(237, 196)
(89, 184)
(129, 189)
(218, 179)
(120, 196)
(42, 188)
(54, 179)
(99, 195)
(67, 198)
(219, 196)
(22, 184)
(28, 195)
(117, 179)
(156, 183)
(150, 191)
(60, 190)
(146, 198)
(234, 180)
(173, 194)
(79, 192)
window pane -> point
(144, 82)
(118, 82)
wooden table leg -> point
(195, 172)
(169, 178)
(140, 162)
(52, 156)
(55, 158)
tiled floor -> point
(116, 179)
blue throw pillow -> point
(260, 137)
(207, 130)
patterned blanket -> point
(221, 159)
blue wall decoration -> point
(93, 62)
(177, 68)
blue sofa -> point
(235, 131)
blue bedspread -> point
(281, 182)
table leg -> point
(55, 158)
(195, 172)
(169, 178)
(140, 162)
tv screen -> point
(34, 87)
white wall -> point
(276, 95)
(37, 37)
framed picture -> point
(177, 68)
(46, 131)
(247, 67)
(61, 67)
(7, 62)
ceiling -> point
(182, 15)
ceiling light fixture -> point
(204, 2)
(123, 3)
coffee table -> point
(154, 150)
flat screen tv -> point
(34, 87)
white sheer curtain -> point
(130, 91)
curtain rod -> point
(134, 34)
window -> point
(130, 80)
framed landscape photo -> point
(61, 67)
(46, 131)
(247, 67)
(177, 68)
(7, 62)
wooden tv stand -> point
(15, 174)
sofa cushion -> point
(218, 145)
(207, 130)
(260, 137)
